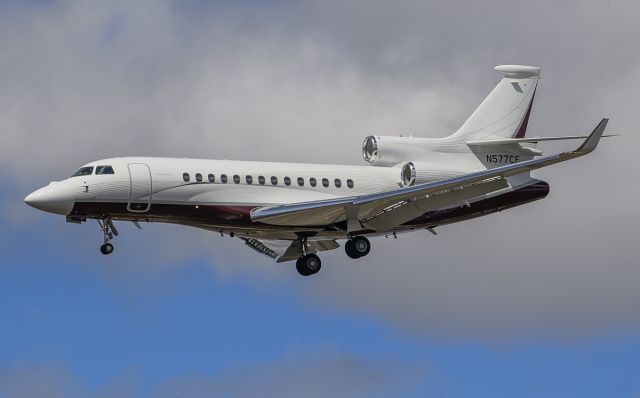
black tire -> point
(348, 248)
(361, 246)
(308, 265)
(300, 267)
(107, 248)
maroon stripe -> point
(523, 126)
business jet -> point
(291, 211)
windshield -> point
(84, 171)
(104, 170)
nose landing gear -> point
(109, 230)
(106, 248)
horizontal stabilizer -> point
(533, 139)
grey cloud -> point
(306, 82)
(56, 379)
(298, 373)
(329, 374)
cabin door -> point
(140, 198)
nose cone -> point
(51, 199)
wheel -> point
(361, 246)
(351, 252)
(300, 267)
(107, 248)
(308, 265)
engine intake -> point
(408, 174)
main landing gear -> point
(309, 263)
(357, 247)
(109, 230)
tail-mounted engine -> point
(390, 151)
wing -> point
(375, 210)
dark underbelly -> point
(518, 197)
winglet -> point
(592, 141)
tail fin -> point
(505, 111)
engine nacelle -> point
(390, 151)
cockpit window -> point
(84, 171)
(104, 170)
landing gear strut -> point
(109, 230)
(357, 247)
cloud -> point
(299, 372)
(306, 82)
(318, 375)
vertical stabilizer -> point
(505, 111)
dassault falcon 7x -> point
(290, 211)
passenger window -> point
(337, 182)
(104, 170)
(313, 182)
(300, 181)
(350, 183)
(223, 178)
(287, 181)
(325, 183)
(236, 179)
(261, 180)
(84, 171)
(212, 178)
(274, 180)
(186, 177)
(249, 180)
(198, 177)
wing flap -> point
(402, 212)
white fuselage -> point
(163, 189)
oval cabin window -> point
(198, 177)
(212, 178)
(186, 177)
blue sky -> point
(537, 301)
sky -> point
(541, 300)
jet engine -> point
(390, 151)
